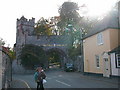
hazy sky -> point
(10, 10)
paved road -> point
(60, 79)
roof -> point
(109, 21)
(115, 50)
(6, 49)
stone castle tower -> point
(24, 28)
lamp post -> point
(81, 47)
(69, 30)
(70, 26)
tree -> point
(7, 49)
(2, 42)
(32, 55)
(72, 24)
(12, 54)
(53, 57)
(68, 14)
(43, 27)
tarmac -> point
(17, 83)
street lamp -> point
(68, 31)
(70, 26)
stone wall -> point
(17, 68)
(6, 70)
(0, 67)
(49, 42)
(78, 64)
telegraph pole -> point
(81, 45)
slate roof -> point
(117, 50)
(109, 21)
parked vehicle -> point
(69, 67)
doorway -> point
(106, 65)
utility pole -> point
(119, 14)
(70, 28)
(82, 57)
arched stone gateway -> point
(24, 35)
(62, 58)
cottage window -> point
(100, 39)
(118, 60)
(97, 61)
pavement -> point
(18, 83)
(113, 80)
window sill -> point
(100, 44)
(98, 67)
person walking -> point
(39, 76)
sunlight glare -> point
(98, 7)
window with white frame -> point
(118, 60)
(97, 58)
(99, 38)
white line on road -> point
(54, 77)
(63, 83)
(48, 78)
(25, 83)
(59, 75)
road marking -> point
(60, 76)
(49, 78)
(25, 83)
(54, 76)
(63, 83)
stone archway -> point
(62, 56)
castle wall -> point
(49, 42)
(24, 35)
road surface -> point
(60, 79)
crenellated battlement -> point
(25, 21)
(25, 25)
